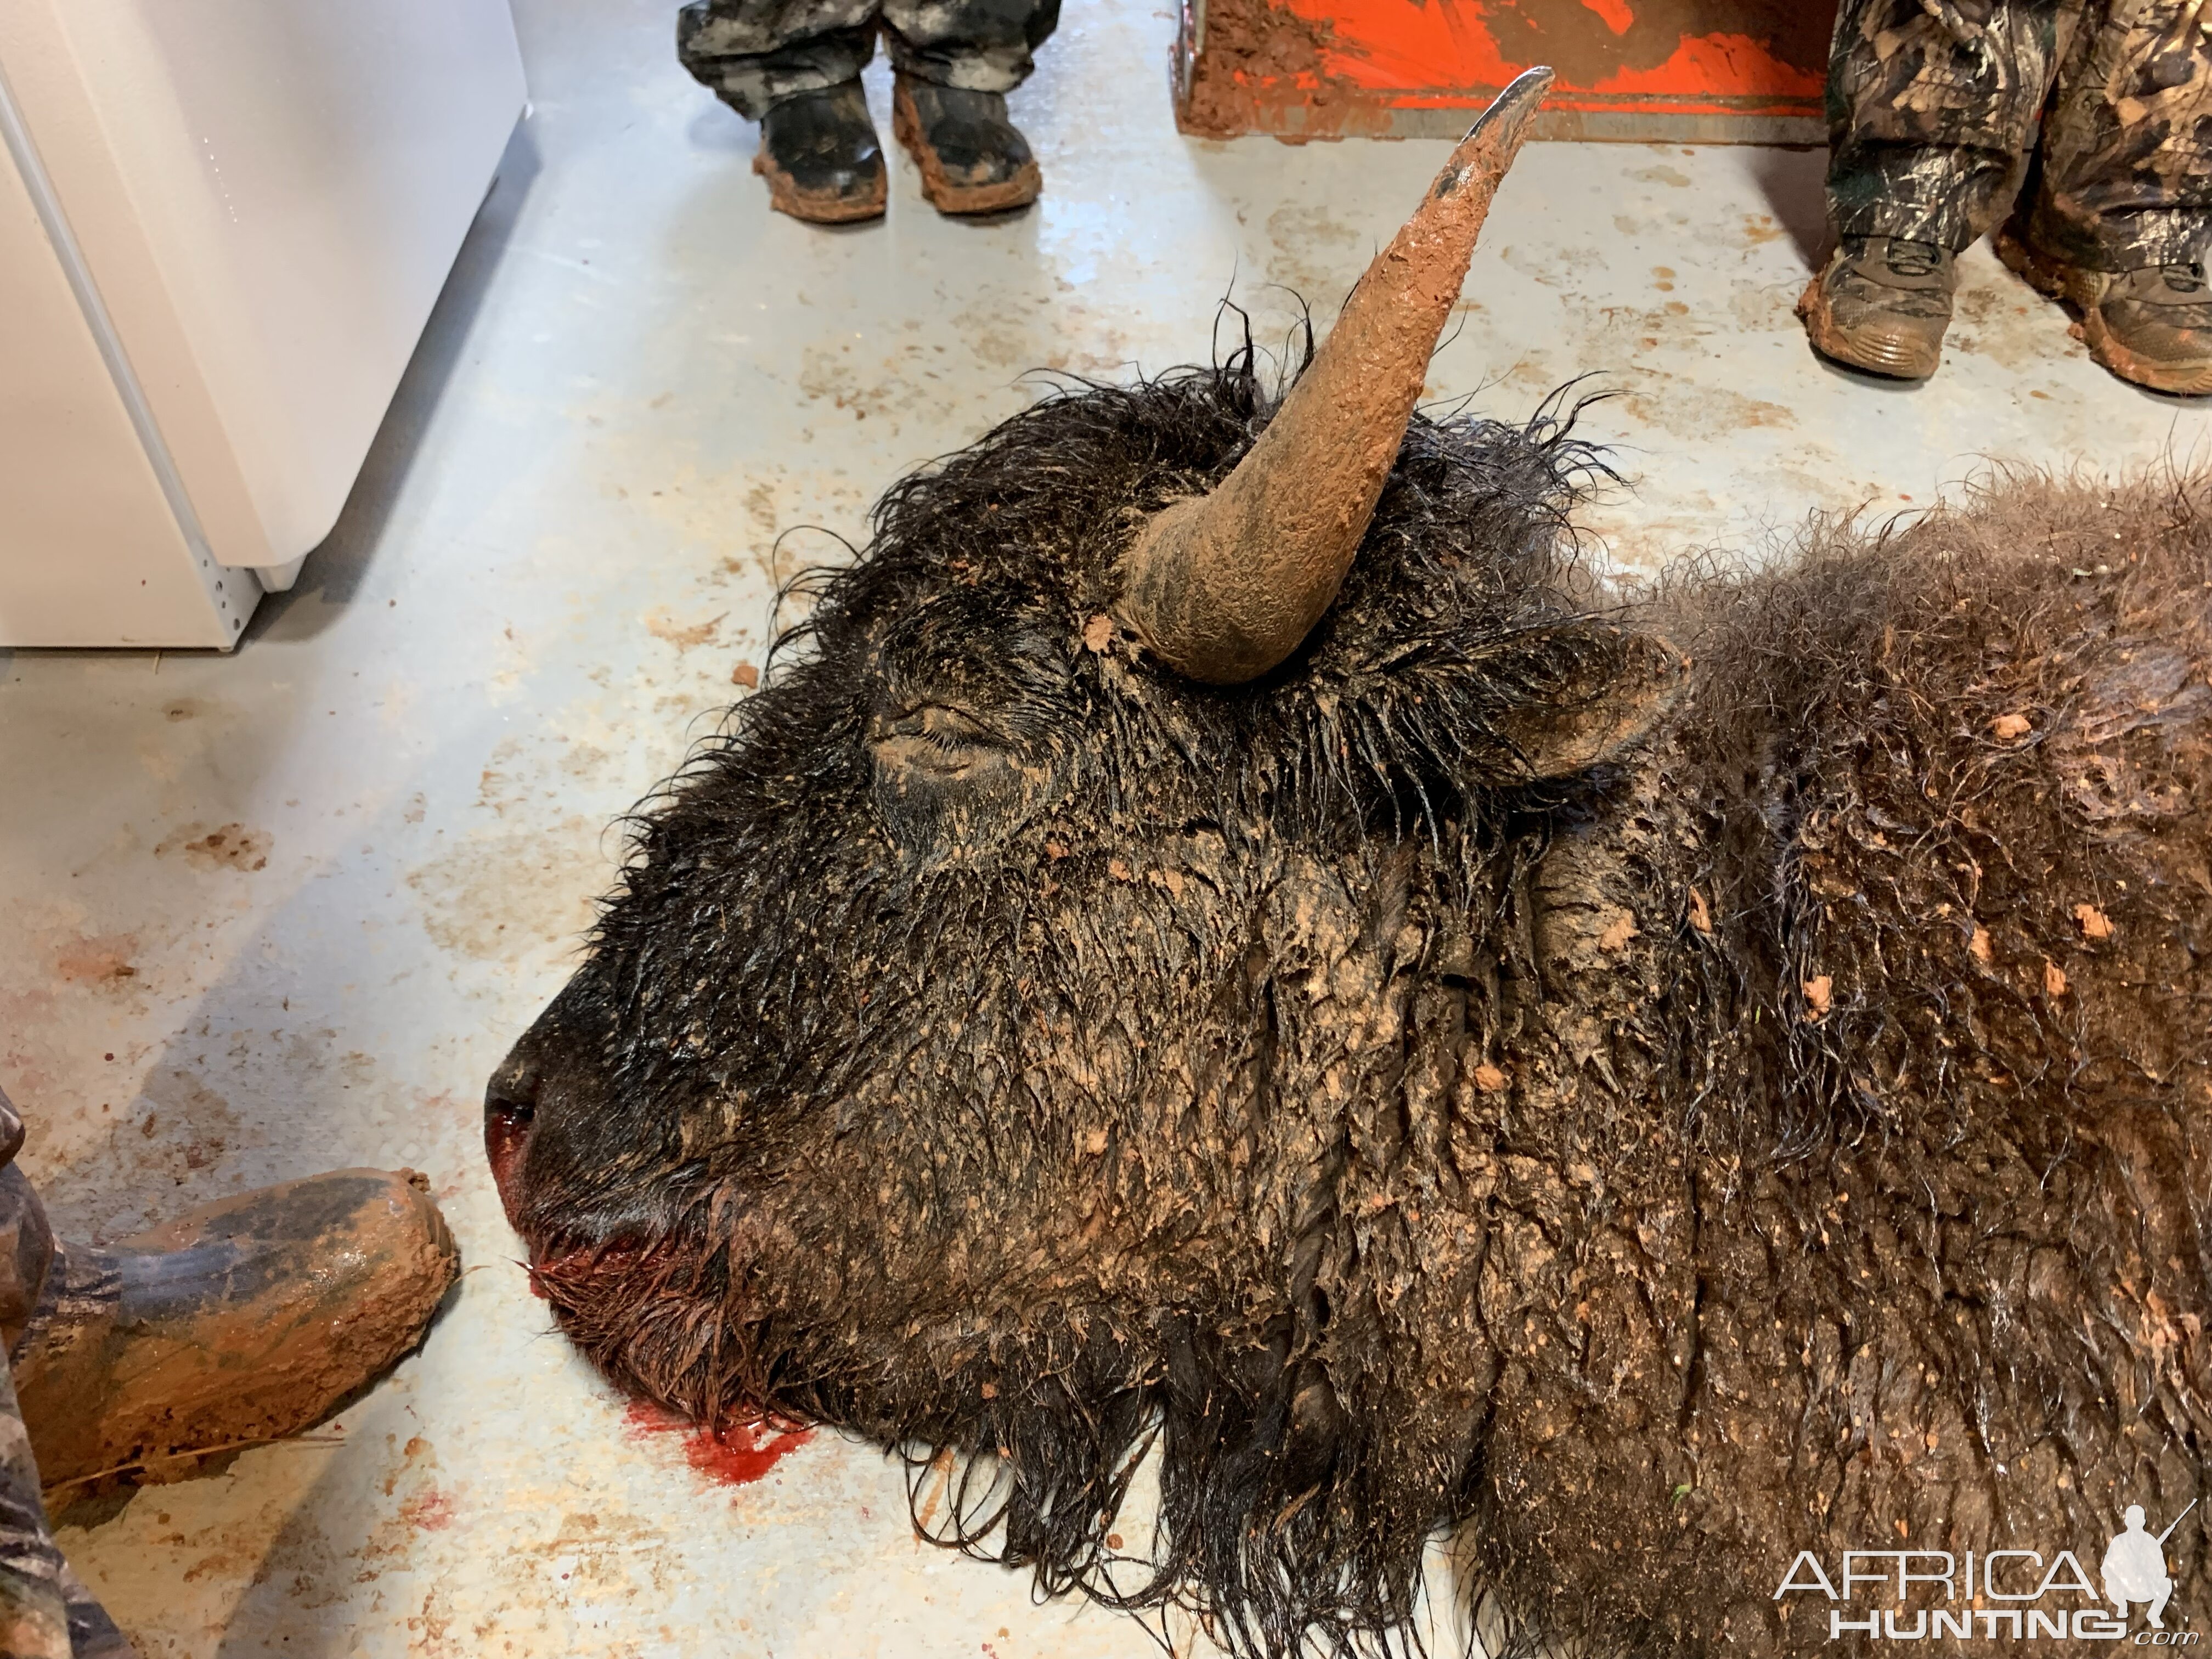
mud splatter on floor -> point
(102, 959)
(500, 892)
(230, 846)
(682, 636)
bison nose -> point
(510, 1115)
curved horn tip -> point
(1222, 587)
(1511, 109)
(1520, 99)
(1498, 133)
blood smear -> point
(737, 1455)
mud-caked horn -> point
(1222, 586)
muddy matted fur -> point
(1785, 1132)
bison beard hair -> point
(1266, 1074)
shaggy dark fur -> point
(1781, 1131)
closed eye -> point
(938, 726)
(934, 741)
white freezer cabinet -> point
(222, 226)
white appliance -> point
(222, 226)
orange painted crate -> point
(1692, 71)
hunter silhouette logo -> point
(2135, 1566)
(2012, 1594)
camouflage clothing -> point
(45, 1612)
(754, 52)
(1935, 109)
(33, 1610)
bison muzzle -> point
(1226, 939)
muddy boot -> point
(1882, 304)
(972, 158)
(240, 1322)
(2151, 325)
(819, 154)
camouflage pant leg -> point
(2126, 178)
(45, 1612)
(1932, 110)
(982, 46)
(753, 53)
(34, 1613)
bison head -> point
(1035, 1025)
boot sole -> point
(1896, 360)
(785, 196)
(943, 193)
(2047, 276)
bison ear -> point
(1624, 697)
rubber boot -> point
(972, 158)
(240, 1322)
(820, 157)
(1882, 304)
(2152, 327)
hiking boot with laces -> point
(2152, 326)
(820, 156)
(1882, 304)
(973, 159)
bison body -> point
(1773, 1122)
(1666, 1087)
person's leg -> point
(794, 66)
(1931, 107)
(753, 54)
(45, 1610)
(2123, 204)
(33, 1610)
(956, 60)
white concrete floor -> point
(564, 544)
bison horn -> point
(1224, 586)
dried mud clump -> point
(1261, 61)
(1486, 1071)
